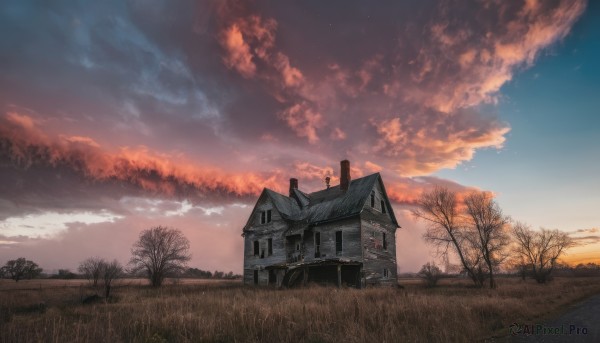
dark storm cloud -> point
(403, 77)
(91, 65)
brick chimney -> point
(344, 175)
(293, 185)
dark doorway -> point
(323, 274)
(351, 276)
(256, 277)
(272, 277)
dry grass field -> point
(52, 311)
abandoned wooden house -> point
(343, 235)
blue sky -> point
(548, 173)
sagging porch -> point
(336, 271)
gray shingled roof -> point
(328, 204)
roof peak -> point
(323, 189)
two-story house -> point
(342, 234)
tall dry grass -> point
(230, 312)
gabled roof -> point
(286, 206)
(328, 204)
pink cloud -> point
(303, 120)
(292, 77)
(238, 52)
(338, 134)
(157, 172)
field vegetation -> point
(226, 311)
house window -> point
(383, 210)
(265, 217)
(384, 242)
(256, 248)
(372, 199)
(317, 244)
(385, 273)
(270, 246)
(338, 242)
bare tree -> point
(430, 273)
(540, 249)
(91, 269)
(97, 269)
(160, 252)
(21, 268)
(110, 271)
(488, 235)
(439, 209)
(518, 265)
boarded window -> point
(372, 199)
(317, 244)
(270, 246)
(338, 242)
(256, 248)
(268, 216)
(384, 242)
(383, 210)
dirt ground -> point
(579, 323)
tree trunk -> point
(492, 282)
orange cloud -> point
(238, 51)
(392, 137)
(303, 120)
(26, 146)
(421, 95)
(253, 36)
(419, 148)
(81, 140)
(292, 77)
(373, 167)
(338, 134)
(486, 63)
(308, 171)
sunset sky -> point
(121, 115)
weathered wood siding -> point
(351, 248)
(376, 259)
(261, 233)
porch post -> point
(305, 279)
(339, 275)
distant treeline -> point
(205, 274)
(190, 273)
(588, 269)
(564, 270)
